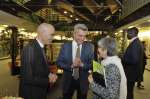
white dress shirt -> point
(41, 45)
(133, 39)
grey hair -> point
(109, 44)
(80, 26)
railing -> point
(129, 6)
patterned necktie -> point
(76, 70)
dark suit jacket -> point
(133, 60)
(34, 72)
(65, 61)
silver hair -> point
(80, 26)
(109, 44)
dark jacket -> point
(133, 60)
(34, 72)
(65, 61)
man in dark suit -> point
(75, 58)
(139, 83)
(133, 61)
(35, 75)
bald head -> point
(45, 33)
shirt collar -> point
(133, 39)
(41, 45)
(75, 43)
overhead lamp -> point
(130, 27)
(71, 16)
(96, 32)
(65, 12)
(107, 18)
(49, 1)
(121, 31)
(116, 33)
(76, 19)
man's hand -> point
(77, 63)
(52, 78)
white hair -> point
(80, 26)
(109, 44)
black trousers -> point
(32, 92)
(74, 86)
(130, 89)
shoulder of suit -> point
(85, 43)
(88, 44)
(67, 43)
(30, 45)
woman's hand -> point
(90, 78)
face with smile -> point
(80, 36)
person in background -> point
(75, 58)
(139, 85)
(115, 79)
(34, 71)
(133, 61)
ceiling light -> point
(121, 31)
(65, 12)
(96, 32)
(49, 1)
(116, 33)
(130, 27)
(71, 16)
(107, 18)
(76, 19)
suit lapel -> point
(40, 51)
(132, 43)
(70, 50)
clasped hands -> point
(52, 78)
(77, 63)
